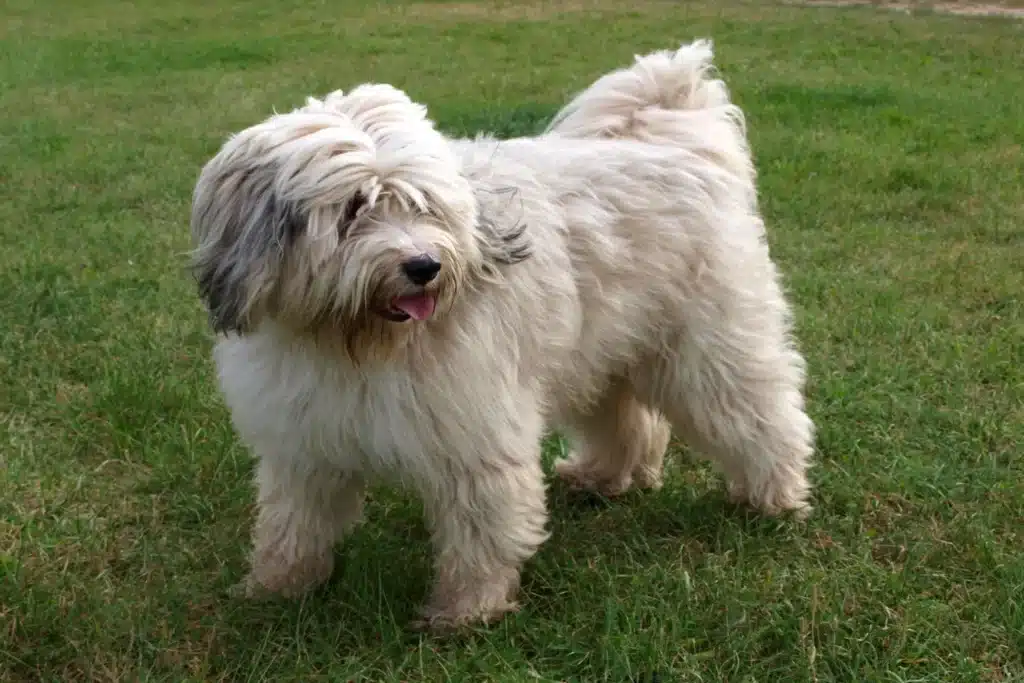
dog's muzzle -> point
(421, 269)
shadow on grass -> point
(383, 571)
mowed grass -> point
(889, 149)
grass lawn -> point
(889, 147)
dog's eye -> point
(435, 214)
(351, 210)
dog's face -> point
(351, 212)
(390, 262)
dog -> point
(392, 305)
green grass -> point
(889, 149)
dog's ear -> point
(241, 230)
(278, 195)
(503, 240)
(503, 245)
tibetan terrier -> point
(394, 303)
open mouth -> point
(413, 306)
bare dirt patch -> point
(518, 11)
(1011, 9)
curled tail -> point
(665, 98)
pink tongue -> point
(418, 307)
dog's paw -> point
(447, 621)
(251, 589)
(582, 478)
(772, 503)
(797, 510)
(239, 591)
(272, 578)
(646, 477)
(736, 493)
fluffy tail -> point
(665, 98)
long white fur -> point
(608, 278)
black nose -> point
(421, 269)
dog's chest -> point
(375, 419)
(322, 408)
(372, 420)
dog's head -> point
(350, 212)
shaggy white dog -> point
(393, 302)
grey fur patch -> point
(503, 241)
(248, 230)
(504, 246)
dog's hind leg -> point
(621, 443)
(304, 507)
(736, 395)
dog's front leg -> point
(487, 521)
(305, 506)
